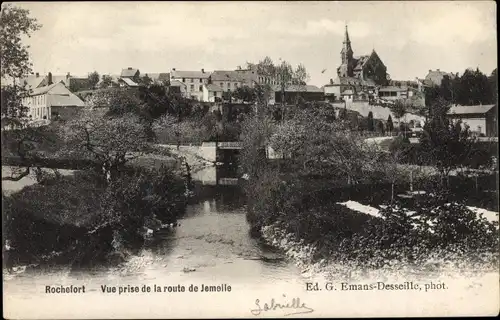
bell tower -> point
(346, 67)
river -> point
(212, 245)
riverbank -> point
(81, 220)
(302, 254)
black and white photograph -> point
(249, 159)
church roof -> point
(361, 61)
(354, 81)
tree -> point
(117, 101)
(390, 125)
(93, 79)
(106, 81)
(146, 80)
(14, 24)
(371, 127)
(109, 141)
(284, 75)
(380, 127)
(399, 110)
(245, 93)
(445, 144)
(493, 82)
(21, 140)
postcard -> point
(249, 159)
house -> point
(393, 93)
(357, 87)
(115, 81)
(158, 78)
(435, 77)
(481, 119)
(51, 101)
(348, 95)
(130, 73)
(212, 93)
(194, 81)
(74, 83)
(127, 82)
(178, 87)
(33, 81)
(292, 92)
(228, 80)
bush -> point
(433, 226)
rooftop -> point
(458, 109)
(129, 82)
(392, 89)
(213, 87)
(129, 72)
(190, 74)
(299, 88)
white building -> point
(194, 81)
(48, 101)
(212, 93)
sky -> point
(410, 37)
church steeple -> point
(346, 37)
(346, 48)
(346, 54)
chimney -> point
(430, 70)
(203, 70)
(37, 75)
(130, 68)
(331, 81)
(50, 78)
(437, 70)
(173, 69)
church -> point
(357, 77)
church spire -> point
(346, 37)
(346, 53)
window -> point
(191, 80)
(201, 80)
(222, 84)
(192, 87)
(183, 79)
(201, 88)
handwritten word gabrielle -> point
(289, 307)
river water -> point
(211, 245)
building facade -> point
(194, 81)
(482, 119)
(212, 93)
(47, 102)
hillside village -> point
(362, 85)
